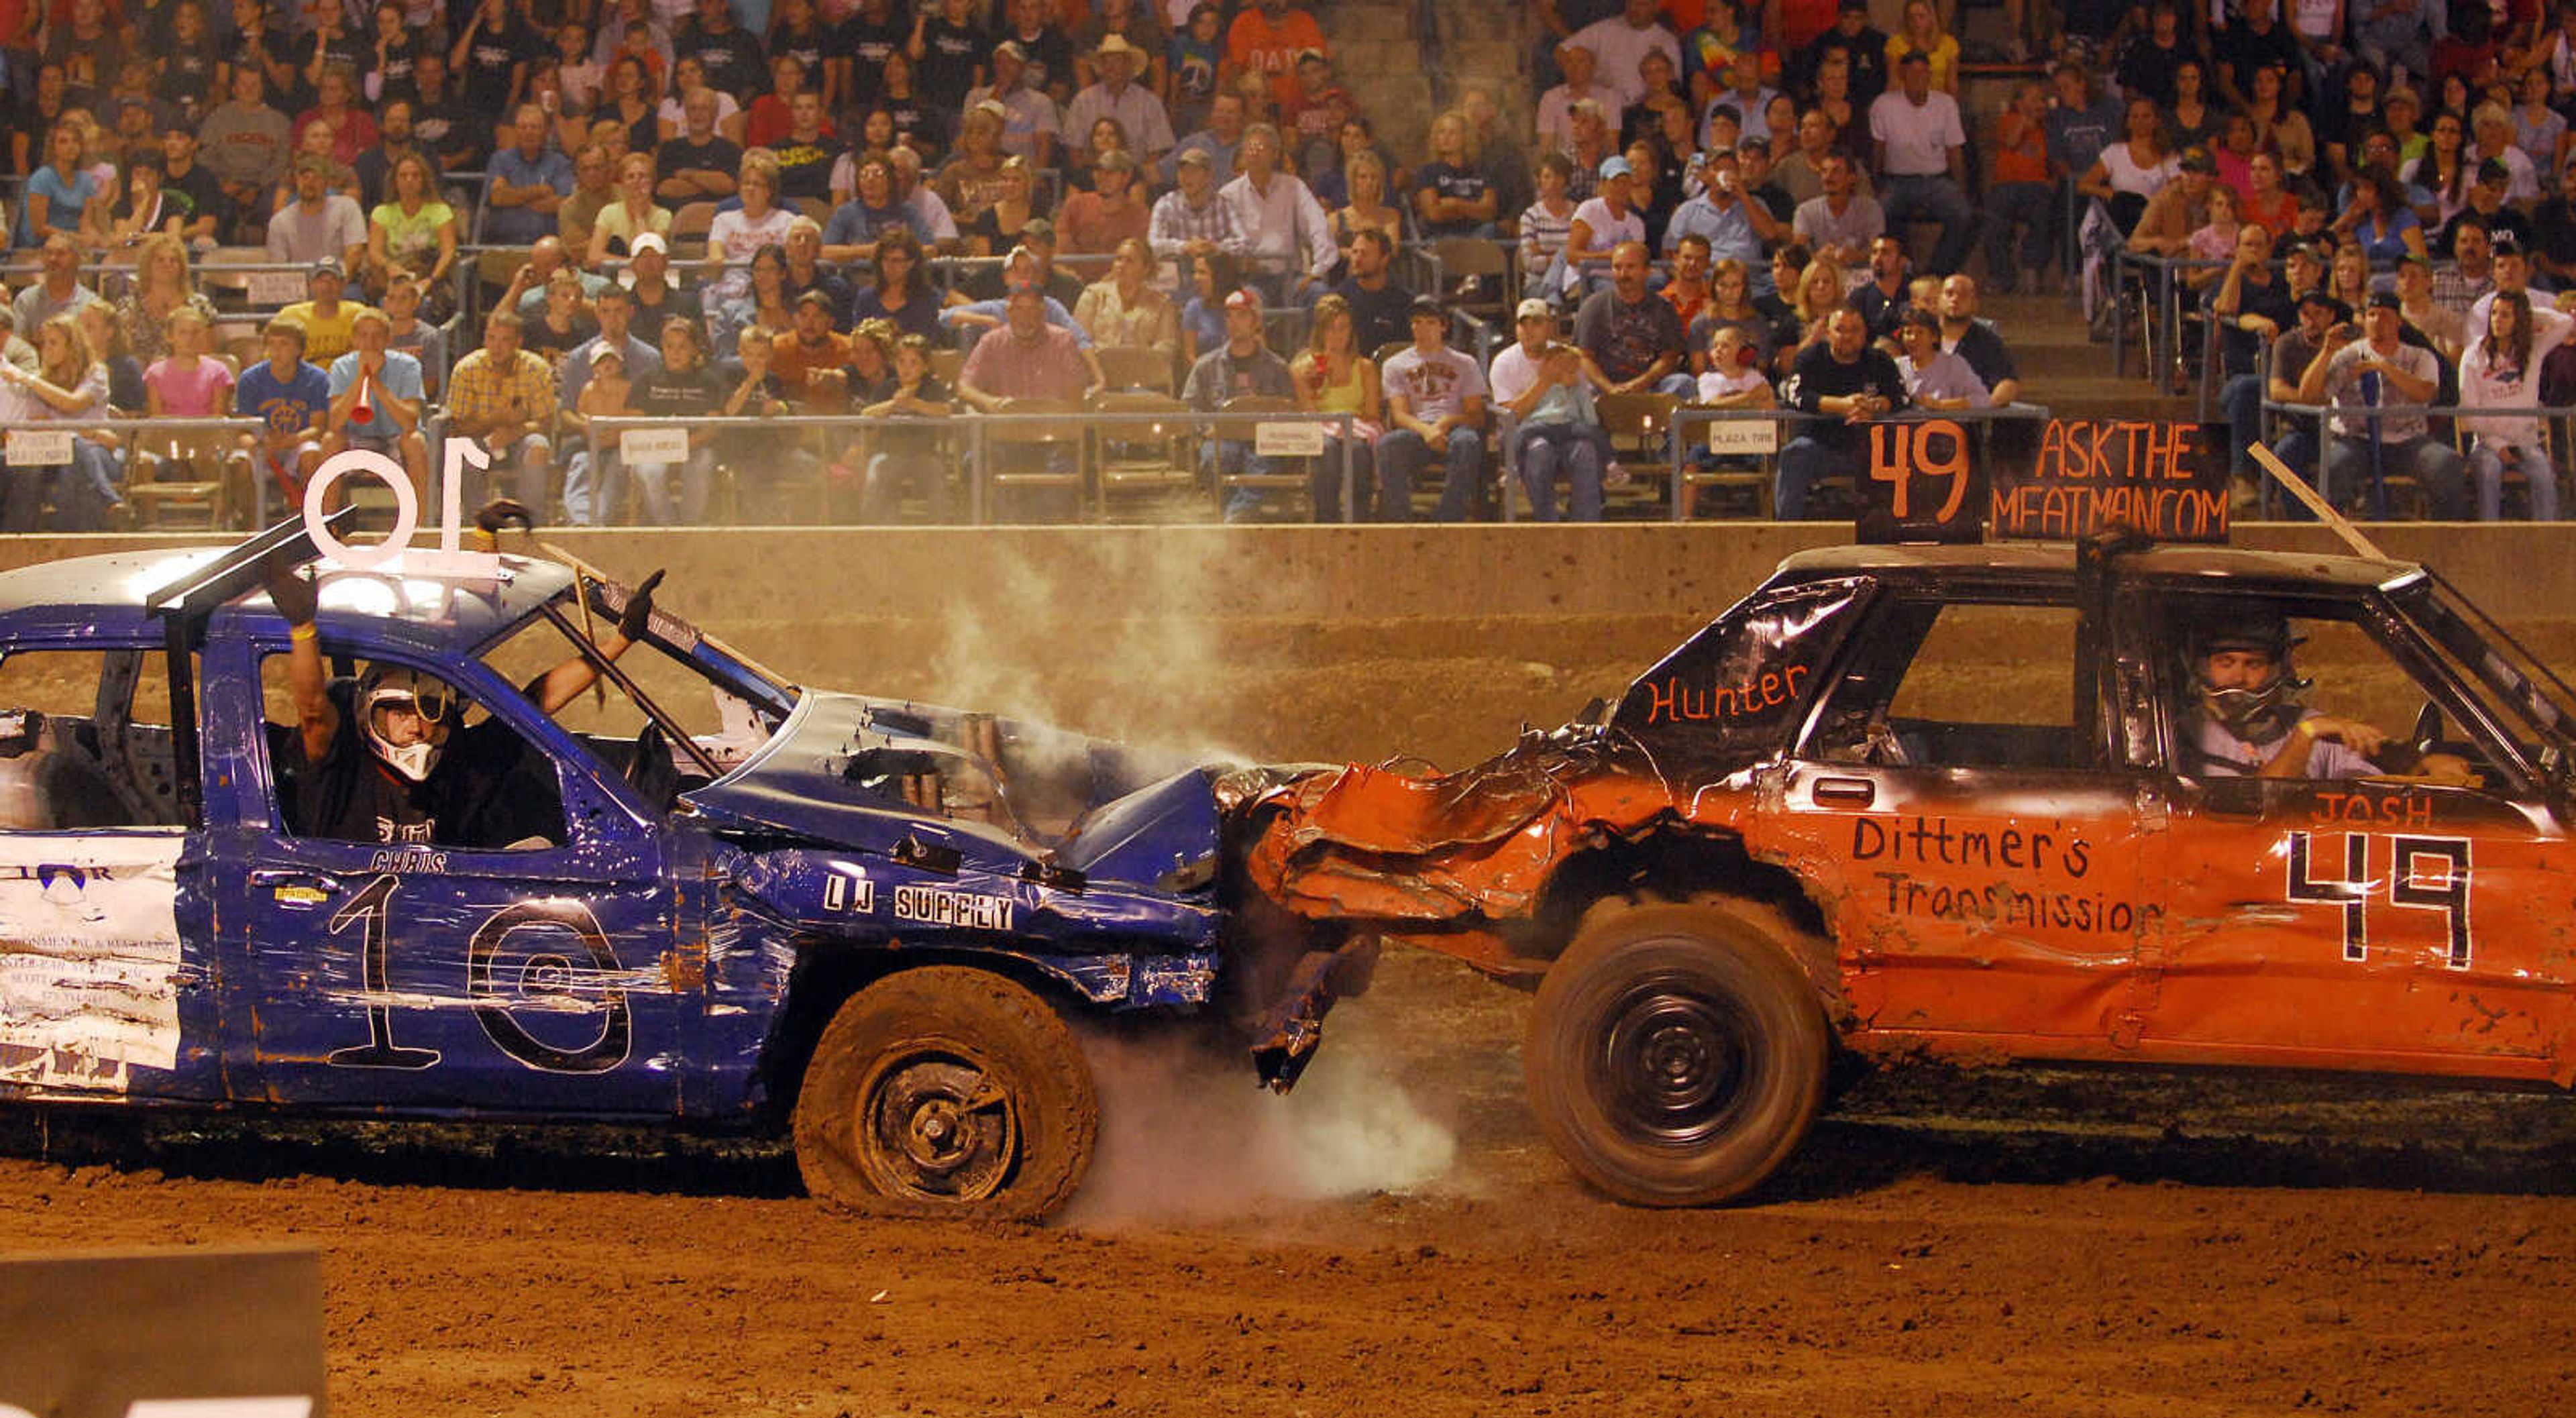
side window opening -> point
(490, 789)
(85, 740)
(1958, 685)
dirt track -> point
(1925, 1256)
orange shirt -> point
(789, 359)
(1256, 44)
(2022, 151)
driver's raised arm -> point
(317, 719)
(565, 682)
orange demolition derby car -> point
(1968, 802)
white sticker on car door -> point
(89, 959)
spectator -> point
(491, 57)
(504, 395)
(2391, 37)
(2252, 42)
(1026, 357)
(1221, 140)
(2434, 321)
(764, 303)
(2492, 124)
(1846, 381)
(908, 457)
(326, 318)
(1922, 150)
(1800, 172)
(2342, 124)
(394, 138)
(1118, 96)
(2500, 372)
(2511, 269)
(1276, 214)
(1095, 222)
(1241, 367)
(631, 213)
(146, 209)
(1635, 340)
(902, 292)
(1549, 387)
(1214, 276)
(1724, 214)
(853, 231)
(1195, 57)
(946, 55)
(1506, 162)
(1194, 219)
(188, 382)
(1435, 399)
(767, 118)
(1030, 123)
(1686, 289)
(2266, 200)
(971, 180)
(2250, 308)
(1047, 46)
(353, 131)
(125, 394)
(731, 56)
(1840, 222)
(2539, 132)
(412, 335)
(1621, 43)
(1335, 375)
(290, 396)
(1935, 378)
(2085, 121)
(1922, 34)
(758, 223)
(806, 271)
(2488, 206)
(1601, 224)
(1381, 310)
(529, 181)
(59, 196)
(2129, 173)
(454, 135)
(1852, 39)
(209, 210)
(1451, 195)
(805, 154)
(2367, 371)
(1547, 222)
(386, 384)
(685, 385)
(70, 385)
(1266, 39)
(1034, 260)
(2553, 229)
(930, 217)
(58, 289)
(1556, 106)
(697, 162)
(1367, 208)
(245, 142)
(1126, 308)
(563, 322)
(2021, 191)
(1882, 299)
(2280, 125)
(1730, 303)
(811, 359)
(2178, 208)
(1312, 116)
(412, 230)
(589, 500)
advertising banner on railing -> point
(1930, 480)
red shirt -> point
(1254, 43)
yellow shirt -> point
(324, 340)
(1944, 57)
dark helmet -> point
(2254, 713)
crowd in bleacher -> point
(538, 223)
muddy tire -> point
(1677, 1055)
(950, 1092)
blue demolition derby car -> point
(688, 891)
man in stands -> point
(1220, 140)
(319, 224)
(393, 396)
(211, 216)
(1028, 358)
(1046, 47)
(1193, 219)
(247, 142)
(1848, 381)
(1381, 310)
(58, 291)
(1723, 214)
(1118, 96)
(393, 139)
(658, 298)
(328, 320)
(1435, 404)
(1622, 42)
(1282, 225)
(1549, 388)
(1840, 222)
(1556, 106)
(1266, 39)
(593, 188)
(584, 503)
(504, 395)
(2250, 307)
(1976, 341)
(290, 397)
(698, 165)
(2375, 369)
(1864, 50)
(812, 363)
(1881, 300)
(730, 54)
(529, 181)
(1922, 152)
(1687, 289)
(932, 222)
(2178, 209)
(1634, 339)
(1031, 123)
(1244, 367)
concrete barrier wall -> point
(1280, 642)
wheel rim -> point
(1678, 1063)
(936, 1125)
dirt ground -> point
(1395, 1238)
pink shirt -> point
(202, 392)
(1049, 367)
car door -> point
(540, 978)
(103, 994)
(2366, 922)
(1980, 870)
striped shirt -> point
(482, 390)
(1176, 222)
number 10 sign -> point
(395, 554)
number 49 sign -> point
(395, 554)
(1924, 484)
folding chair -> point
(1297, 481)
(1152, 457)
(1065, 433)
(1136, 367)
(177, 479)
(1640, 428)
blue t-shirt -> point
(289, 405)
(65, 201)
(401, 379)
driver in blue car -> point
(2248, 720)
(388, 756)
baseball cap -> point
(648, 241)
(605, 350)
(1862, 6)
(1013, 48)
(2385, 300)
(2334, 308)
(2503, 242)
(1917, 315)
(1615, 167)
(1243, 299)
(329, 265)
(2197, 159)
(1038, 227)
(1426, 305)
(1195, 157)
(1534, 309)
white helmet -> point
(387, 688)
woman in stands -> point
(162, 289)
(797, 29)
(972, 180)
(734, 237)
(629, 100)
(2348, 279)
(920, 122)
(2380, 223)
(70, 385)
(2190, 121)
(353, 131)
(1730, 303)
(1107, 136)
(1368, 208)
(902, 292)
(2539, 130)
(2270, 204)
(765, 303)
(1450, 194)
(1820, 294)
(2280, 126)
(1332, 186)
(2498, 372)
(1921, 33)
(2444, 170)
(770, 116)
(1547, 221)
(59, 195)
(996, 229)
(1217, 275)
(411, 230)
(1125, 307)
(1333, 377)
(613, 231)
(2133, 170)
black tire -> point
(947, 1091)
(1677, 1055)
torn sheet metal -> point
(89, 959)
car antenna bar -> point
(186, 604)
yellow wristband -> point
(304, 634)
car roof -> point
(103, 596)
(2053, 559)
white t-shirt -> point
(1432, 386)
(1918, 138)
(2224, 755)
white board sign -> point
(653, 445)
(1300, 439)
(39, 447)
(1758, 437)
(275, 287)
